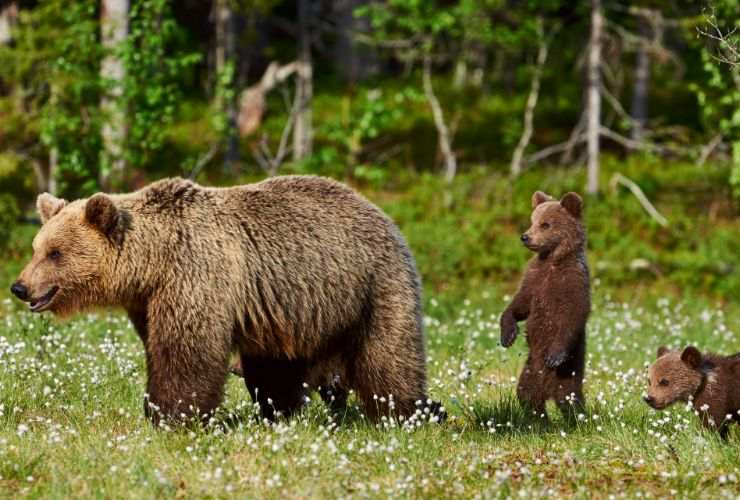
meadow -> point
(72, 425)
(71, 421)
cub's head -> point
(557, 227)
(66, 272)
(675, 376)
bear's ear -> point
(691, 356)
(101, 213)
(662, 350)
(539, 197)
(48, 206)
(573, 204)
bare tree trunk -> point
(642, 78)
(303, 129)
(253, 101)
(113, 30)
(460, 78)
(225, 54)
(534, 92)
(594, 97)
(355, 61)
(443, 134)
(8, 17)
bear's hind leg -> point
(275, 384)
(567, 386)
(390, 362)
(531, 390)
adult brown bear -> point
(312, 284)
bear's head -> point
(675, 376)
(557, 228)
(68, 269)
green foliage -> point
(466, 235)
(350, 133)
(156, 63)
(52, 69)
(718, 92)
(8, 217)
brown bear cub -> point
(709, 381)
(555, 300)
(308, 281)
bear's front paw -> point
(509, 331)
(556, 359)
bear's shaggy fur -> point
(309, 282)
(709, 381)
(555, 300)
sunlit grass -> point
(71, 420)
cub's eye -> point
(55, 255)
(545, 225)
(663, 382)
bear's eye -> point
(545, 225)
(663, 382)
(55, 255)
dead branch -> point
(253, 100)
(707, 150)
(618, 178)
(269, 162)
(204, 160)
(572, 141)
(728, 51)
(534, 92)
(439, 121)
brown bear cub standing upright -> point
(709, 381)
(311, 283)
(555, 300)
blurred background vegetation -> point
(447, 114)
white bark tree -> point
(8, 17)
(303, 127)
(639, 110)
(534, 92)
(114, 29)
(223, 16)
(443, 133)
(593, 120)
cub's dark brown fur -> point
(710, 381)
(555, 300)
(305, 278)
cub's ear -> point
(48, 206)
(691, 356)
(573, 204)
(662, 350)
(101, 213)
(539, 197)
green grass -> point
(71, 421)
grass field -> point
(71, 421)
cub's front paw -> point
(556, 359)
(509, 331)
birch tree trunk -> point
(225, 54)
(534, 92)
(639, 109)
(443, 133)
(8, 17)
(303, 129)
(113, 30)
(594, 97)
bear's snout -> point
(525, 238)
(649, 400)
(19, 290)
